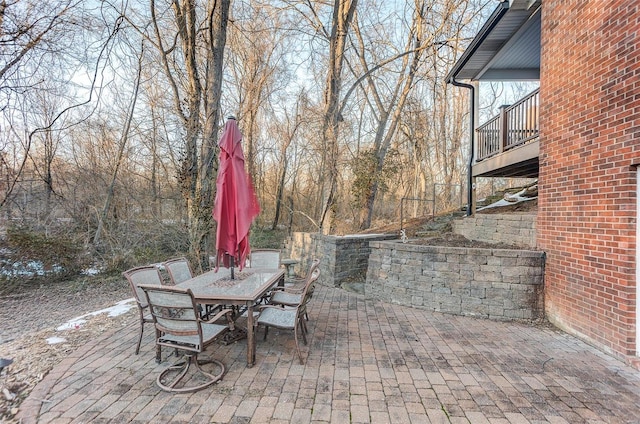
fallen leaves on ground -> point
(33, 357)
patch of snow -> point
(113, 311)
(55, 340)
(12, 269)
(509, 200)
(119, 308)
(91, 271)
(29, 268)
(72, 324)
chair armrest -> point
(296, 289)
(280, 307)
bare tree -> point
(121, 146)
(255, 61)
(343, 12)
(384, 73)
(34, 37)
(43, 105)
(387, 85)
(388, 109)
(370, 87)
(196, 97)
(287, 131)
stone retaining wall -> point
(513, 228)
(343, 258)
(490, 283)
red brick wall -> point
(589, 146)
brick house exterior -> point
(589, 151)
(588, 64)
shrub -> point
(266, 238)
(31, 253)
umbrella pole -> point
(231, 263)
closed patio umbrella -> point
(236, 205)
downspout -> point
(495, 17)
(471, 141)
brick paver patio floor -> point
(367, 362)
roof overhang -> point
(507, 47)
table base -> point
(232, 336)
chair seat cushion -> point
(276, 317)
(284, 298)
(209, 332)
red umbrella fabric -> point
(236, 204)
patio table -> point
(248, 287)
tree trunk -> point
(200, 162)
(389, 114)
(218, 17)
(123, 143)
(343, 11)
(280, 192)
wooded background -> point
(111, 113)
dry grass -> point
(32, 315)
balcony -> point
(508, 144)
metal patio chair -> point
(149, 275)
(264, 258)
(176, 318)
(289, 317)
(179, 270)
(291, 296)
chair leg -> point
(158, 348)
(302, 323)
(306, 329)
(140, 337)
(295, 336)
(303, 329)
(183, 367)
(306, 315)
(266, 330)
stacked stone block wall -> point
(343, 258)
(489, 283)
(513, 228)
(301, 247)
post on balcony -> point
(504, 128)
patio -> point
(368, 362)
